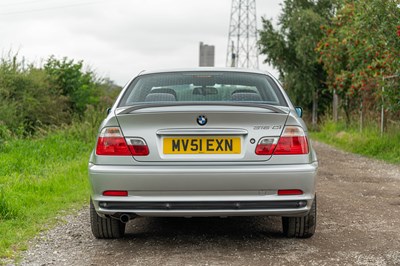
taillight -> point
(111, 142)
(138, 147)
(292, 141)
(266, 146)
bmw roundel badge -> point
(201, 120)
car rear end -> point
(202, 143)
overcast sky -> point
(120, 38)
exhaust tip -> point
(124, 218)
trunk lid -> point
(173, 133)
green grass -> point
(39, 178)
(368, 143)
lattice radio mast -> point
(242, 42)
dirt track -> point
(358, 224)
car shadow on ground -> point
(210, 228)
(198, 241)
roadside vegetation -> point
(39, 178)
(369, 142)
(49, 117)
(339, 60)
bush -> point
(37, 99)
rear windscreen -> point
(203, 87)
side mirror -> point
(108, 110)
(299, 111)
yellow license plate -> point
(202, 145)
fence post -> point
(315, 110)
(383, 111)
(335, 106)
(361, 115)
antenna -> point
(242, 41)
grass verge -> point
(38, 179)
(369, 142)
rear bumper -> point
(203, 190)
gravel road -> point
(358, 224)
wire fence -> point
(376, 106)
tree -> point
(359, 49)
(291, 49)
(68, 77)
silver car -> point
(203, 142)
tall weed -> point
(6, 212)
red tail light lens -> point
(138, 147)
(292, 141)
(266, 146)
(111, 142)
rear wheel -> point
(302, 227)
(105, 228)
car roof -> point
(205, 69)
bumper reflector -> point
(115, 193)
(289, 192)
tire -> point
(105, 228)
(301, 227)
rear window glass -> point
(203, 87)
